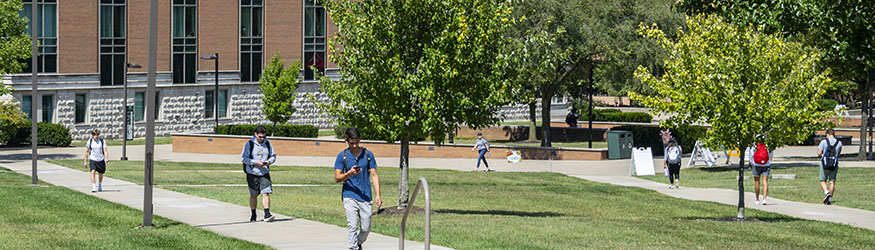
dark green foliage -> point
(285, 130)
(614, 115)
(370, 134)
(646, 136)
(47, 134)
(826, 104)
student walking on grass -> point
(258, 155)
(357, 169)
(760, 159)
(96, 157)
(482, 146)
(672, 161)
(829, 151)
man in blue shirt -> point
(257, 156)
(354, 167)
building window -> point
(184, 41)
(26, 103)
(157, 104)
(140, 105)
(112, 42)
(251, 39)
(81, 108)
(314, 38)
(223, 103)
(47, 35)
(48, 107)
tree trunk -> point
(273, 130)
(741, 182)
(546, 102)
(864, 115)
(533, 133)
(403, 187)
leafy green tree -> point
(14, 41)
(742, 82)
(417, 67)
(11, 119)
(278, 84)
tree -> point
(417, 67)
(14, 40)
(742, 82)
(278, 84)
(11, 120)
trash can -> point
(619, 144)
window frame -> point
(48, 45)
(251, 45)
(84, 109)
(209, 108)
(317, 42)
(112, 46)
(185, 46)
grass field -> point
(49, 217)
(140, 141)
(507, 210)
(853, 185)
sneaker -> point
(826, 198)
(677, 187)
(756, 202)
(670, 187)
(360, 246)
(829, 201)
(269, 218)
(94, 190)
(252, 219)
(764, 202)
(100, 189)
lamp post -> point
(215, 93)
(33, 90)
(152, 63)
(125, 111)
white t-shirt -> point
(96, 149)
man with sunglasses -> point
(356, 168)
(258, 155)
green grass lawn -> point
(853, 185)
(326, 132)
(507, 210)
(140, 141)
(49, 217)
(595, 144)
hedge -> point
(340, 133)
(47, 134)
(615, 115)
(826, 104)
(645, 136)
(284, 130)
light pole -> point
(152, 64)
(215, 93)
(125, 111)
(34, 23)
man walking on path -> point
(829, 151)
(354, 167)
(258, 155)
(95, 150)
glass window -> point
(251, 40)
(223, 103)
(48, 108)
(26, 102)
(157, 104)
(81, 107)
(184, 41)
(47, 35)
(139, 105)
(112, 42)
(314, 39)
(208, 104)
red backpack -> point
(761, 156)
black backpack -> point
(830, 158)
(252, 147)
(364, 151)
(88, 145)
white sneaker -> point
(94, 190)
(764, 202)
(756, 202)
(670, 187)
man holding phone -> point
(357, 169)
(257, 157)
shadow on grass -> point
(499, 212)
(778, 166)
(747, 219)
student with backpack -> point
(673, 155)
(829, 151)
(96, 157)
(760, 159)
(356, 168)
(257, 156)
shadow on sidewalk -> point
(42, 157)
(240, 222)
(500, 212)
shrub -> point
(11, 120)
(826, 104)
(47, 134)
(340, 133)
(628, 117)
(645, 136)
(284, 130)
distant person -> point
(257, 156)
(829, 151)
(96, 157)
(672, 161)
(760, 159)
(571, 118)
(664, 137)
(482, 146)
(357, 169)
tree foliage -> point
(278, 84)
(417, 67)
(749, 86)
(14, 41)
(11, 120)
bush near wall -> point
(826, 104)
(615, 115)
(47, 134)
(340, 133)
(284, 130)
(649, 137)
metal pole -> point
(216, 97)
(590, 105)
(34, 97)
(125, 116)
(150, 116)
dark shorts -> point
(259, 184)
(761, 171)
(99, 166)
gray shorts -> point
(259, 184)
(99, 166)
(761, 171)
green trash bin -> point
(619, 144)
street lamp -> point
(216, 93)
(125, 111)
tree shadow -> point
(747, 219)
(21, 157)
(499, 212)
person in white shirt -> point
(96, 157)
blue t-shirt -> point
(481, 143)
(357, 186)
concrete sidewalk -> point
(220, 217)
